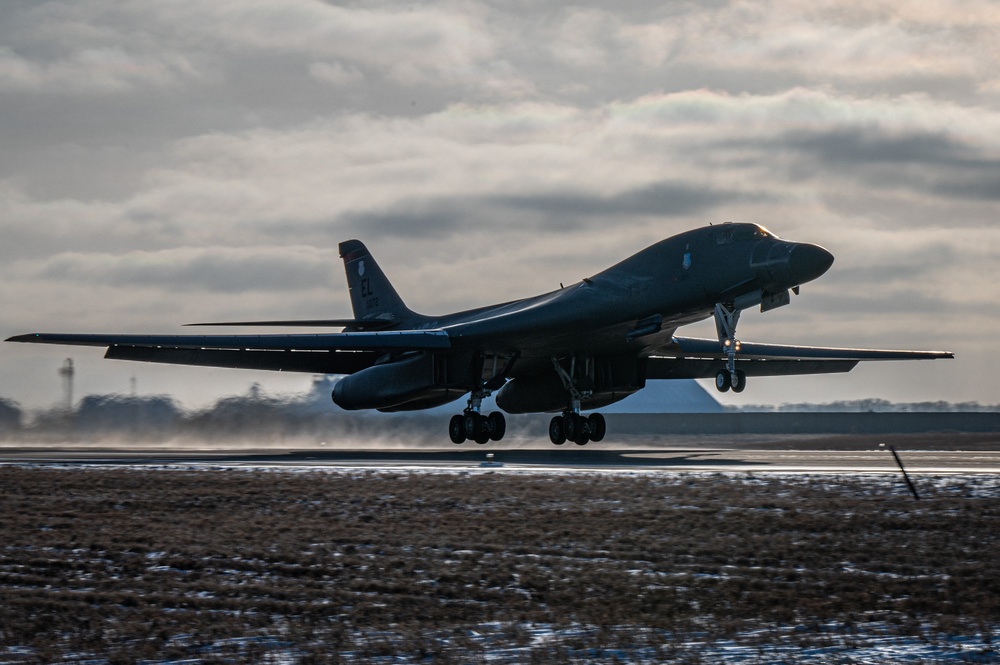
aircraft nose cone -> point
(807, 262)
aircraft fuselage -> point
(673, 283)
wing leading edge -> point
(691, 358)
(352, 341)
(334, 353)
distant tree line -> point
(252, 418)
(10, 416)
(871, 405)
(306, 419)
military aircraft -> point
(575, 349)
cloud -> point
(204, 269)
(92, 71)
(667, 199)
(898, 45)
(335, 73)
(164, 159)
(928, 163)
(522, 168)
(412, 45)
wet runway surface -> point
(663, 459)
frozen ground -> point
(868, 644)
(186, 563)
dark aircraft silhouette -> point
(579, 348)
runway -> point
(561, 459)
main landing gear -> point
(471, 425)
(581, 430)
(571, 426)
(476, 427)
(729, 378)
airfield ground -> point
(156, 564)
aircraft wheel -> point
(722, 381)
(456, 429)
(739, 381)
(483, 438)
(582, 438)
(574, 425)
(473, 425)
(598, 427)
(498, 425)
(557, 430)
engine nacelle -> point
(387, 385)
(612, 380)
(417, 381)
(533, 394)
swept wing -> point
(693, 358)
(332, 353)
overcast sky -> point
(163, 162)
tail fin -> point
(372, 296)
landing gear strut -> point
(726, 318)
(571, 426)
(471, 424)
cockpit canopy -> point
(735, 232)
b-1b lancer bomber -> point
(576, 349)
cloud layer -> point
(176, 161)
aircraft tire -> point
(573, 426)
(739, 381)
(722, 381)
(456, 429)
(557, 430)
(498, 425)
(473, 425)
(598, 427)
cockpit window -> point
(724, 236)
(736, 232)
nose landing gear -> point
(729, 378)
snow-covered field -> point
(193, 564)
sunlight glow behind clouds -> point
(171, 151)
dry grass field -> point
(162, 565)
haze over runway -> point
(166, 163)
(617, 459)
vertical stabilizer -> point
(372, 295)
